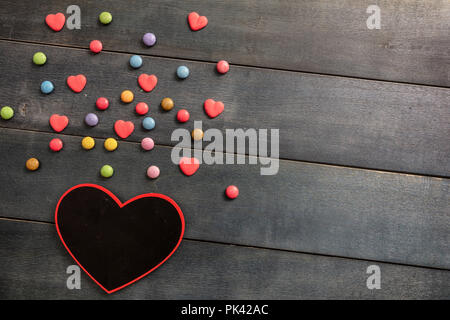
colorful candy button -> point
(182, 72)
(7, 113)
(105, 17)
(183, 115)
(153, 172)
(107, 171)
(88, 143)
(148, 123)
(222, 66)
(47, 87)
(96, 46)
(149, 39)
(232, 192)
(127, 96)
(110, 144)
(56, 144)
(136, 61)
(102, 103)
(32, 164)
(91, 119)
(167, 104)
(39, 58)
(197, 134)
(147, 144)
(141, 108)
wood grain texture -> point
(321, 36)
(34, 265)
(322, 119)
(305, 207)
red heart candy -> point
(123, 128)
(197, 22)
(189, 165)
(76, 83)
(55, 21)
(213, 108)
(147, 82)
(58, 123)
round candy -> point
(136, 61)
(107, 171)
(96, 46)
(149, 39)
(127, 96)
(32, 164)
(141, 108)
(105, 17)
(110, 144)
(182, 72)
(39, 58)
(91, 119)
(7, 113)
(102, 103)
(147, 144)
(47, 87)
(183, 115)
(232, 192)
(167, 104)
(222, 66)
(153, 172)
(88, 143)
(148, 123)
(197, 134)
(56, 144)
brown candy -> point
(32, 164)
(167, 104)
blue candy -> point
(136, 61)
(183, 72)
(47, 87)
(148, 123)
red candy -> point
(55, 21)
(147, 82)
(77, 83)
(213, 108)
(232, 192)
(222, 66)
(197, 22)
(56, 144)
(123, 128)
(58, 123)
(96, 46)
(189, 165)
(102, 103)
(141, 108)
(183, 115)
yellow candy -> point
(197, 134)
(88, 143)
(127, 96)
(110, 144)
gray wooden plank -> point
(34, 266)
(321, 36)
(322, 119)
(305, 207)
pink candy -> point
(147, 144)
(153, 172)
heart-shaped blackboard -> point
(118, 243)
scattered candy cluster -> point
(125, 128)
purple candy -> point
(91, 119)
(149, 39)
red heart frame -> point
(121, 205)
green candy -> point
(105, 17)
(39, 58)
(7, 113)
(106, 171)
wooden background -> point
(364, 119)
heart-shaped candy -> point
(55, 21)
(117, 243)
(123, 128)
(76, 83)
(147, 82)
(189, 165)
(58, 123)
(197, 22)
(213, 108)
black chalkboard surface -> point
(118, 243)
